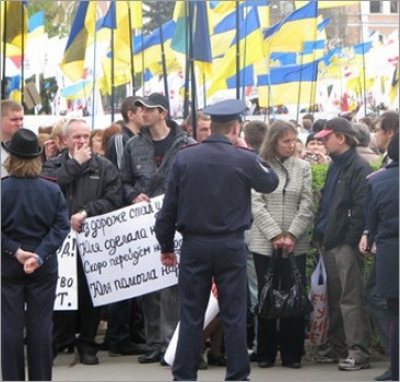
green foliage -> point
(57, 15)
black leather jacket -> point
(94, 186)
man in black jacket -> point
(337, 231)
(92, 186)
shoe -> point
(131, 349)
(216, 360)
(88, 359)
(202, 364)
(253, 357)
(266, 364)
(292, 365)
(386, 376)
(163, 362)
(329, 356)
(151, 356)
(104, 346)
(350, 364)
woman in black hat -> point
(34, 223)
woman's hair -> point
(23, 167)
(276, 131)
(108, 133)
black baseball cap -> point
(338, 125)
(153, 100)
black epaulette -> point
(189, 145)
(51, 179)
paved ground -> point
(128, 369)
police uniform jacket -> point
(382, 221)
(34, 217)
(140, 174)
(94, 186)
(211, 184)
(286, 210)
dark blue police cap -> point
(225, 111)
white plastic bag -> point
(319, 318)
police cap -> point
(225, 111)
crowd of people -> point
(239, 192)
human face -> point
(298, 152)
(152, 116)
(11, 122)
(97, 144)
(286, 145)
(203, 130)
(136, 116)
(79, 135)
(334, 143)
(316, 146)
(382, 137)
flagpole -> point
(23, 54)
(112, 77)
(237, 51)
(187, 68)
(94, 76)
(364, 79)
(192, 69)
(164, 65)
(3, 82)
(131, 47)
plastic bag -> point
(275, 304)
(319, 317)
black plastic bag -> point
(275, 304)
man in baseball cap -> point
(154, 100)
(338, 125)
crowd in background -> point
(131, 161)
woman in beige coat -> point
(281, 220)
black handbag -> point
(275, 303)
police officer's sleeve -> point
(261, 176)
(166, 218)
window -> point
(394, 6)
(375, 7)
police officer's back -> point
(208, 201)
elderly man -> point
(92, 186)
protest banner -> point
(66, 292)
(121, 256)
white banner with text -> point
(121, 256)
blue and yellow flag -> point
(202, 54)
(36, 25)
(14, 27)
(147, 49)
(81, 36)
(327, 4)
(250, 41)
(291, 84)
(290, 34)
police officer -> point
(208, 201)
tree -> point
(55, 16)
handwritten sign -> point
(121, 256)
(66, 292)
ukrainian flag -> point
(289, 35)
(291, 84)
(81, 36)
